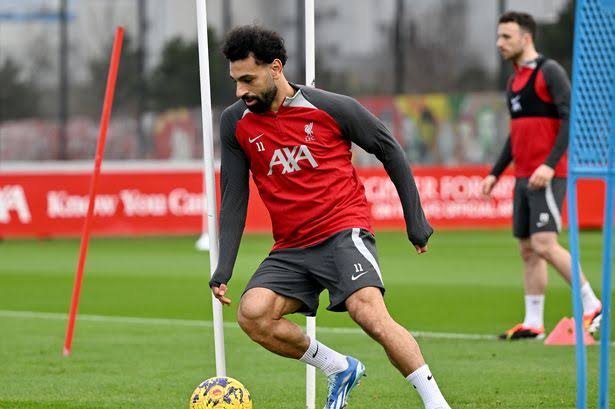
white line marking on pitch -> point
(209, 324)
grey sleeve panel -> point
(234, 185)
(503, 160)
(559, 87)
(364, 129)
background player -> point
(538, 96)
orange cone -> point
(564, 334)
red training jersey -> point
(300, 160)
(303, 171)
(535, 119)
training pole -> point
(209, 175)
(591, 155)
(310, 81)
(100, 151)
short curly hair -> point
(265, 45)
(524, 20)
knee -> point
(244, 318)
(367, 309)
(527, 254)
(361, 302)
(253, 321)
(376, 329)
(543, 247)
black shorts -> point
(343, 264)
(537, 210)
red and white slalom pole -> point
(100, 151)
(210, 184)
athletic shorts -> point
(537, 210)
(343, 264)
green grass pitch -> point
(468, 283)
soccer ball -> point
(221, 393)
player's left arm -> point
(368, 132)
(558, 86)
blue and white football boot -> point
(342, 383)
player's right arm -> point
(234, 185)
(500, 165)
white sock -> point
(534, 311)
(589, 299)
(425, 384)
(324, 358)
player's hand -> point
(219, 293)
(541, 177)
(487, 184)
(421, 249)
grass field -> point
(144, 336)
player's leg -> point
(366, 307)
(534, 270)
(535, 278)
(545, 225)
(282, 286)
(261, 315)
(355, 285)
(535, 275)
(546, 244)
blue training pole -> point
(592, 155)
(573, 233)
(603, 396)
(605, 333)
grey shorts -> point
(343, 264)
(537, 210)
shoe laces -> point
(331, 384)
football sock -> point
(324, 358)
(425, 384)
(534, 311)
(589, 299)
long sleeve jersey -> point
(538, 96)
(300, 161)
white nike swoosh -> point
(355, 277)
(541, 224)
(254, 139)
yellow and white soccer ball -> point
(221, 393)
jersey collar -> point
(289, 100)
(531, 64)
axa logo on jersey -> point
(289, 159)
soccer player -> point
(538, 95)
(296, 142)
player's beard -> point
(264, 100)
(513, 56)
